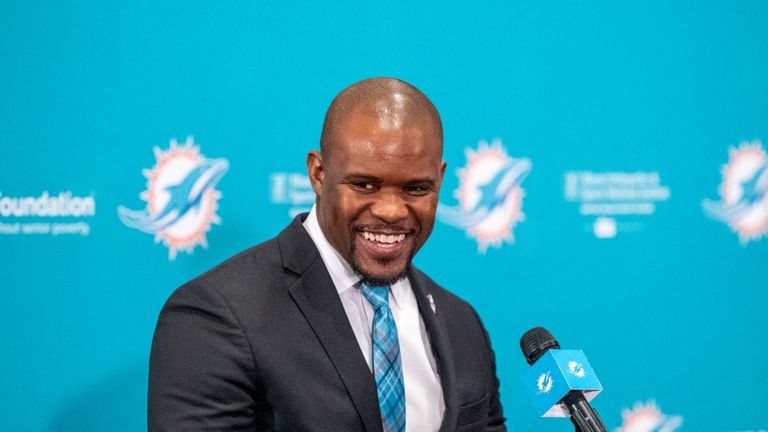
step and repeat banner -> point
(635, 228)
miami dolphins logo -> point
(575, 368)
(743, 203)
(544, 383)
(490, 199)
(648, 418)
(181, 198)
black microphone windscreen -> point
(535, 342)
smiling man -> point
(378, 175)
(328, 327)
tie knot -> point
(377, 296)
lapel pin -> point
(432, 303)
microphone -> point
(560, 382)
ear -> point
(316, 171)
(443, 166)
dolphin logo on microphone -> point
(577, 369)
(544, 383)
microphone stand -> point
(583, 416)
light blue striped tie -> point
(386, 360)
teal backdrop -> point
(626, 111)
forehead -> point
(389, 138)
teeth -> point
(383, 238)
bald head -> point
(391, 102)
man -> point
(328, 327)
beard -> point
(379, 280)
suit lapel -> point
(441, 346)
(319, 302)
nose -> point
(389, 207)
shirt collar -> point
(342, 275)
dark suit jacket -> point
(262, 342)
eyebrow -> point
(368, 177)
(355, 176)
(422, 181)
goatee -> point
(376, 280)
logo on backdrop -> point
(647, 417)
(181, 197)
(490, 196)
(743, 203)
(612, 199)
(544, 383)
(292, 189)
(30, 215)
(577, 369)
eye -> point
(417, 190)
(362, 185)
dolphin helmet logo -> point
(743, 203)
(181, 197)
(489, 195)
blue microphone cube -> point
(555, 374)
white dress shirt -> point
(424, 404)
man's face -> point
(377, 192)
